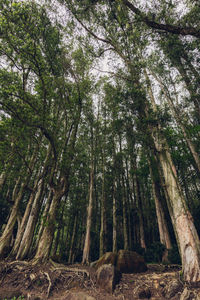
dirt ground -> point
(24, 280)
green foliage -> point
(174, 256)
(137, 248)
(154, 253)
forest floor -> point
(23, 280)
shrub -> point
(174, 256)
(154, 253)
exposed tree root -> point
(55, 281)
(47, 278)
(55, 266)
(50, 284)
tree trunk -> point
(186, 234)
(2, 179)
(43, 219)
(124, 209)
(8, 231)
(162, 224)
(139, 206)
(178, 119)
(188, 239)
(26, 231)
(70, 258)
(102, 247)
(86, 250)
(45, 243)
(17, 197)
(114, 248)
(30, 227)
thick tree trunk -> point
(58, 238)
(188, 239)
(186, 234)
(45, 243)
(43, 219)
(30, 227)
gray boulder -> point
(107, 277)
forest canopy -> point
(99, 130)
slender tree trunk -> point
(114, 248)
(162, 224)
(8, 231)
(102, 247)
(26, 231)
(124, 209)
(17, 197)
(139, 206)
(191, 87)
(2, 179)
(71, 250)
(177, 117)
(86, 250)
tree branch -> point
(164, 27)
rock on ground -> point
(130, 262)
(107, 277)
(125, 261)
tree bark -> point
(27, 239)
(86, 250)
(177, 117)
(186, 234)
(139, 206)
(162, 224)
(114, 247)
(17, 197)
(71, 250)
(102, 247)
(124, 209)
(45, 243)
(43, 219)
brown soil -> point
(24, 280)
